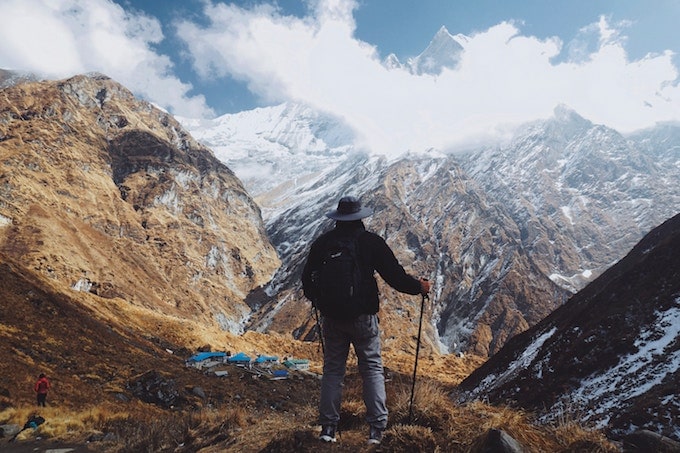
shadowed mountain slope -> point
(611, 353)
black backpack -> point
(339, 278)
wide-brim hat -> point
(349, 208)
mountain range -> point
(508, 233)
(209, 221)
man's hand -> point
(424, 286)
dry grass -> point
(437, 425)
(431, 404)
(241, 412)
(63, 423)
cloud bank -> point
(61, 38)
(504, 78)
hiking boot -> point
(327, 433)
(375, 435)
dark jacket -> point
(374, 255)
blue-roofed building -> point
(206, 359)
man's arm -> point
(393, 273)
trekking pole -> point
(318, 328)
(415, 367)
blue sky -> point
(615, 62)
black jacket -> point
(374, 255)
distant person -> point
(42, 386)
(352, 318)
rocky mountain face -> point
(440, 224)
(9, 78)
(269, 145)
(507, 232)
(103, 193)
(583, 193)
(611, 354)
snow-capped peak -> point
(443, 51)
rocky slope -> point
(610, 355)
(104, 193)
(583, 193)
(440, 224)
(508, 233)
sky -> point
(615, 62)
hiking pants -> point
(41, 399)
(364, 334)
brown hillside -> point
(106, 194)
(96, 351)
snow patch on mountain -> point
(573, 283)
(5, 221)
(634, 374)
(522, 362)
(270, 145)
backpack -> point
(339, 278)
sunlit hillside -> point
(97, 352)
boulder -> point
(498, 441)
(152, 387)
(643, 441)
(9, 430)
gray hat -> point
(349, 208)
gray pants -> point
(364, 334)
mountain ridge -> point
(570, 196)
(570, 362)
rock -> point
(99, 436)
(110, 437)
(96, 436)
(644, 441)
(498, 441)
(9, 430)
(152, 387)
(198, 391)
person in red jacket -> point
(41, 388)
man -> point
(360, 327)
(42, 386)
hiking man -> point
(42, 386)
(353, 318)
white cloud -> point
(505, 78)
(61, 38)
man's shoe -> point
(375, 435)
(327, 433)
